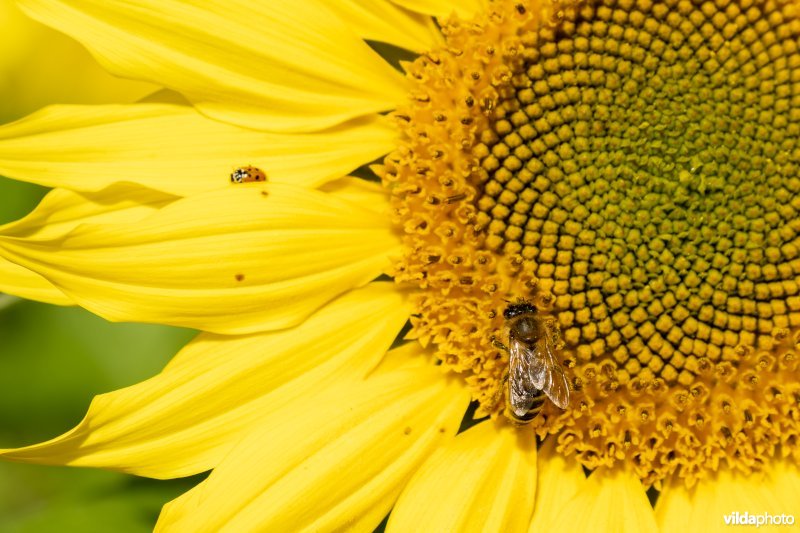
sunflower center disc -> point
(630, 167)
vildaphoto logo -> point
(763, 519)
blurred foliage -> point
(53, 359)
(17, 199)
(48, 499)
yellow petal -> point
(559, 480)
(61, 210)
(33, 56)
(785, 483)
(331, 461)
(465, 9)
(238, 260)
(21, 282)
(707, 505)
(369, 194)
(485, 480)
(173, 148)
(380, 20)
(612, 501)
(58, 213)
(184, 420)
(282, 65)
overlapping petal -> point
(184, 420)
(381, 20)
(58, 213)
(61, 210)
(785, 483)
(173, 148)
(705, 506)
(21, 282)
(364, 193)
(238, 260)
(33, 56)
(330, 461)
(612, 501)
(282, 65)
(484, 480)
(444, 8)
(557, 482)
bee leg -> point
(553, 332)
(499, 345)
(500, 395)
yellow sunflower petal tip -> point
(485, 478)
(608, 501)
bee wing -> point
(522, 388)
(555, 382)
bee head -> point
(517, 309)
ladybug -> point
(248, 174)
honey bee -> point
(533, 371)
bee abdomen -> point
(533, 412)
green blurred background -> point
(53, 360)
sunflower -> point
(627, 168)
